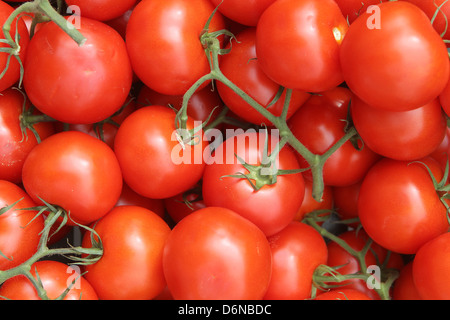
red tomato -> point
(431, 269)
(444, 98)
(76, 172)
(136, 235)
(184, 204)
(56, 277)
(297, 44)
(346, 201)
(338, 256)
(404, 287)
(343, 294)
(153, 162)
(236, 193)
(12, 75)
(168, 32)
(102, 76)
(102, 10)
(19, 235)
(352, 9)
(400, 135)
(244, 12)
(14, 145)
(319, 124)
(394, 37)
(130, 197)
(398, 205)
(242, 68)
(215, 253)
(309, 204)
(297, 251)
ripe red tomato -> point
(297, 251)
(431, 269)
(12, 74)
(352, 9)
(395, 37)
(398, 205)
(309, 204)
(130, 197)
(56, 277)
(102, 76)
(168, 32)
(243, 12)
(346, 201)
(242, 68)
(184, 203)
(14, 145)
(102, 10)
(135, 235)
(236, 193)
(215, 253)
(297, 44)
(400, 135)
(404, 287)
(153, 162)
(19, 235)
(343, 294)
(319, 124)
(75, 171)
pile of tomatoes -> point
(334, 114)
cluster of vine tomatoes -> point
(92, 129)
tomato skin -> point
(130, 197)
(297, 251)
(352, 9)
(346, 201)
(103, 75)
(404, 135)
(318, 125)
(242, 68)
(431, 266)
(146, 148)
(19, 235)
(398, 205)
(343, 294)
(244, 12)
(214, 253)
(404, 287)
(102, 10)
(76, 172)
(369, 54)
(177, 208)
(14, 147)
(309, 204)
(136, 235)
(168, 31)
(12, 75)
(297, 44)
(56, 277)
(237, 194)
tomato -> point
(14, 144)
(237, 193)
(297, 251)
(153, 162)
(12, 75)
(19, 235)
(394, 37)
(319, 124)
(215, 253)
(184, 203)
(297, 44)
(130, 197)
(102, 76)
(357, 239)
(243, 12)
(204, 104)
(242, 68)
(136, 235)
(168, 32)
(346, 201)
(398, 205)
(444, 98)
(352, 9)
(404, 287)
(401, 135)
(102, 10)
(440, 22)
(75, 171)
(441, 154)
(309, 204)
(343, 294)
(431, 267)
(56, 277)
